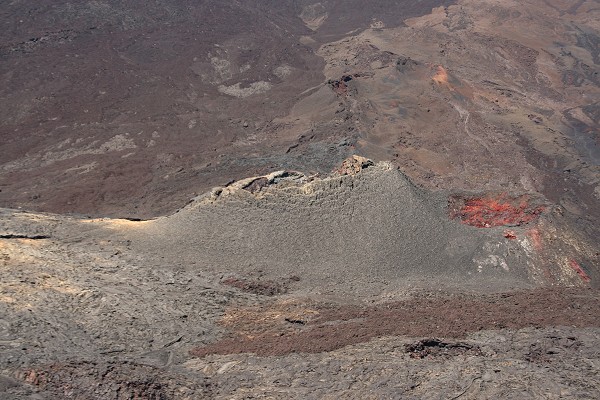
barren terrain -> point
(358, 283)
(289, 199)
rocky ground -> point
(316, 200)
(167, 308)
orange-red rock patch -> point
(490, 211)
(575, 265)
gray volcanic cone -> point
(367, 232)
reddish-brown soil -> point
(449, 316)
(73, 76)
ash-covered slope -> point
(357, 234)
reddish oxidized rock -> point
(490, 211)
(575, 265)
(353, 165)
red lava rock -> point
(536, 238)
(490, 211)
(34, 378)
(575, 265)
(353, 165)
(510, 234)
(340, 86)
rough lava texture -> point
(389, 199)
(361, 280)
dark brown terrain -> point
(128, 109)
(290, 199)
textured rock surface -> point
(315, 277)
(352, 285)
